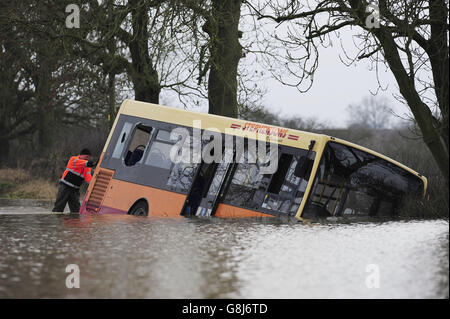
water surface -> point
(134, 257)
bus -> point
(168, 162)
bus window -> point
(247, 188)
(137, 145)
(163, 136)
(159, 155)
(181, 176)
(353, 182)
(286, 190)
(247, 174)
(281, 192)
(183, 171)
(278, 178)
(291, 181)
(122, 138)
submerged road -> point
(134, 257)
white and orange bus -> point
(314, 175)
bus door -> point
(207, 187)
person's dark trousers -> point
(67, 194)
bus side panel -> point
(228, 211)
(122, 195)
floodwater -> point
(138, 257)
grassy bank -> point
(19, 183)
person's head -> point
(85, 154)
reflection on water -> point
(132, 257)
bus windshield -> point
(350, 181)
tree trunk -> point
(112, 99)
(225, 51)
(146, 90)
(438, 53)
(433, 136)
(144, 76)
(4, 151)
(46, 122)
(45, 128)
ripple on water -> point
(125, 256)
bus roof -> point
(239, 127)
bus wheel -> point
(139, 209)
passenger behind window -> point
(133, 157)
(138, 144)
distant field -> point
(19, 183)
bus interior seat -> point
(133, 157)
(315, 210)
(127, 158)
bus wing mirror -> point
(303, 167)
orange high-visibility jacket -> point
(77, 169)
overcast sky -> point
(335, 87)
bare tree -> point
(220, 54)
(410, 37)
(38, 76)
(259, 113)
(371, 112)
(149, 41)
